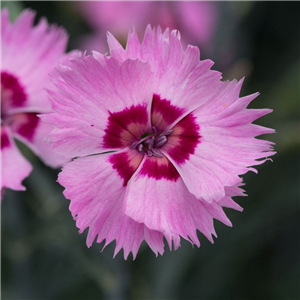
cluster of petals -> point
(118, 16)
(160, 142)
(28, 54)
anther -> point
(151, 142)
(157, 153)
(150, 146)
(167, 132)
(149, 153)
(140, 147)
(154, 130)
(133, 145)
(160, 141)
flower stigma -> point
(151, 142)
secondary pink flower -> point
(196, 20)
(28, 55)
(179, 139)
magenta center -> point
(168, 133)
(13, 96)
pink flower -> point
(160, 142)
(196, 20)
(28, 55)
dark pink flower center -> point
(13, 96)
(161, 134)
(124, 126)
(4, 138)
(12, 93)
(25, 124)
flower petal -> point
(227, 148)
(15, 168)
(89, 94)
(28, 128)
(162, 202)
(30, 53)
(102, 210)
(180, 76)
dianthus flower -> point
(119, 16)
(28, 55)
(159, 142)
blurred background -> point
(44, 257)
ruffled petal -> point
(89, 94)
(227, 145)
(157, 197)
(97, 192)
(15, 168)
(180, 76)
(28, 128)
(30, 53)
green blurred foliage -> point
(44, 257)
(14, 7)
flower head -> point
(29, 54)
(160, 142)
(119, 16)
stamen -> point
(140, 147)
(167, 132)
(150, 143)
(157, 153)
(134, 144)
(149, 153)
(160, 141)
(154, 130)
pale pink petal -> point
(88, 94)
(228, 202)
(157, 188)
(102, 210)
(232, 191)
(227, 145)
(116, 50)
(179, 75)
(30, 53)
(14, 167)
(28, 128)
(65, 60)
